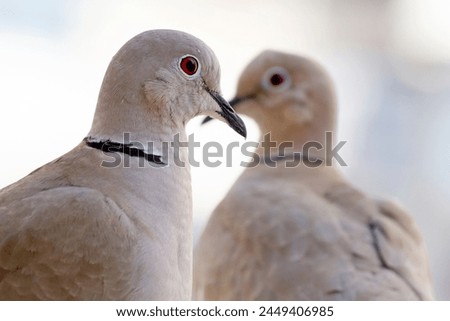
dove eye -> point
(189, 65)
(276, 79)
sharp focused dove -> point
(112, 218)
(291, 227)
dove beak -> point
(228, 114)
(237, 100)
(233, 102)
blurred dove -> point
(291, 227)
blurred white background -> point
(390, 60)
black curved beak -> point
(228, 113)
(233, 102)
(207, 119)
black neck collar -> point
(271, 160)
(108, 146)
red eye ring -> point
(276, 79)
(189, 65)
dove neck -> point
(289, 139)
(137, 125)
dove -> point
(292, 227)
(112, 218)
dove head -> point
(157, 82)
(290, 96)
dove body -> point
(303, 232)
(89, 227)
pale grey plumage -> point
(304, 233)
(83, 228)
